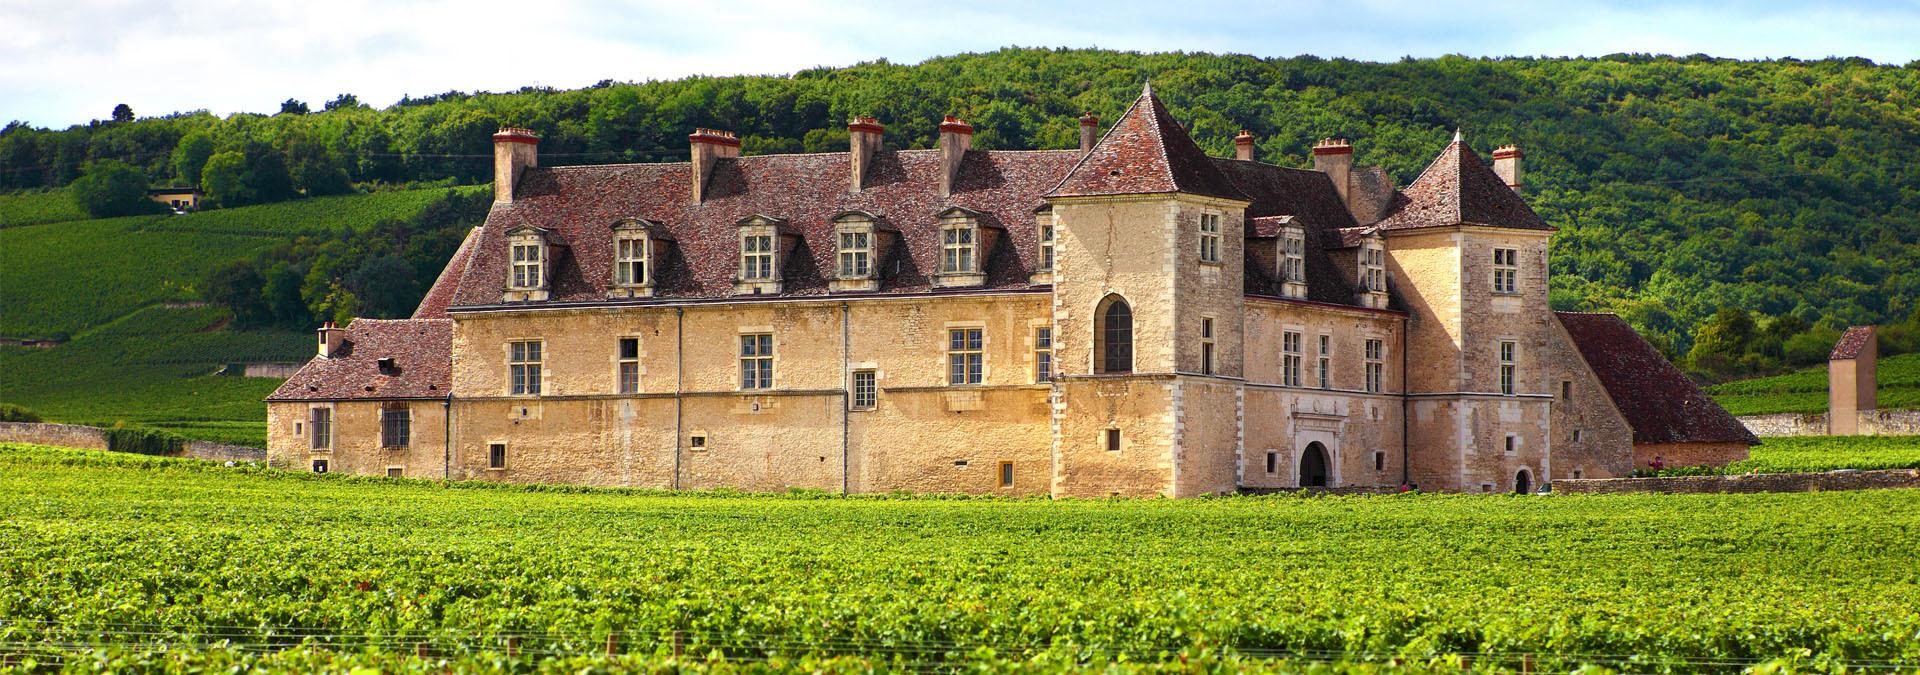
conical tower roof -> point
(1146, 152)
(1458, 188)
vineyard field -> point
(37, 207)
(1802, 454)
(1806, 391)
(136, 563)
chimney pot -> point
(864, 135)
(1089, 130)
(956, 137)
(1506, 164)
(515, 149)
(1334, 157)
(1243, 146)
(709, 145)
(330, 338)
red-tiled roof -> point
(1851, 343)
(1458, 188)
(422, 353)
(1278, 196)
(434, 304)
(1146, 152)
(1657, 400)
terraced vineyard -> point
(126, 562)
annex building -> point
(1132, 317)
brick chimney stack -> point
(863, 135)
(956, 137)
(514, 151)
(1506, 163)
(1243, 146)
(1853, 380)
(1089, 130)
(709, 145)
(1334, 157)
(330, 338)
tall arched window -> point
(1114, 336)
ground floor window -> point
(1006, 474)
(394, 472)
(319, 466)
(865, 392)
(396, 427)
(497, 456)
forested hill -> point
(1682, 186)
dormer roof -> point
(1146, 152)
(1459, 189)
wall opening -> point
(1314, 466)
(1113, 337)
(1523, 482)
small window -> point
(523, 365)
(296, 428)
(497, 456)
(1506, 271)
(1006, 474)
(630, 260)
(1043, 354)
(1376, 353)
(1576, 435)
(1513, 444)
(1290, 358)
(1113, 440)
(1206, 346)
(1576, 474)
(394, 472)
(965, 356)
(319, 466)
(629, 369)
(1508, 364)
(1373, 264)
(697, 441)
(1566, 391)
(322, 423)
(396, 427)
(1046, 244)
(856, 254)
(756, 361)
(866, 392)
(1210, 237)
(956, 248)
(528, 271)
(1379, 461)
(1325, 369)
(1273, 462)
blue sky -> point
(67, 61)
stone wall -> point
(1759, 482)
(1872, 423)
(222, 452)
(1675, 455)
(95, 438)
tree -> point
(237, 287)
(282, 295)
(343, 101)
(384, 287)
(256, 174)
(225, 179)
(293, 107)
(190, 156)
(123, 113)
(111, 188)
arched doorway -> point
(1113, 337)
(1314, 466)
(1522, 482)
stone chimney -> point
(956, 137)
(1243, 146)
(863, 135)
(1506, 163)
(1334, 157)
(709, 146)
(330, 338)
(514, 151)
(1089, 130)
(1853, 381)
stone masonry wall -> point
(1872, 423)
(95, 438)
(1759, 482)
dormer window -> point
(1293, 261)
(761, 246)
(1044, 224)
(963, 246)
(858, 242)
(528, 256)
(957, 248)
(1373, 274)
(856, 255)
(634, 262)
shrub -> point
(14, 413)
(144, 441)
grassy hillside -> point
(1806, 391)
(1687, 582)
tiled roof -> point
(1657, 400)
(1372, 190)
(1851, 342)
(434, 304)
(1146, 152)
(422, 353)
(1278, 196)
(1458, 188)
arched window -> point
(1314, 467)
(1114, 336)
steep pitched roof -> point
(1657, 400)
(1146, 152)
(422, 353)
(434, 304)
(1281, 196)
(1457, 188)
(1850, 343)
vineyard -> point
(1806, 391)
(1802, 454)
(134, 563)
(36, 207)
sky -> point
(66, 62)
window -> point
(523, 366)
(756, 361)
(856, 255)
(1293, 267)
(629, 371)
(1325, 369)
(1043, 354)
(1113, 440)
(956, 248)
(527, 272)
(1046, 244)
(396, 427)
(1206, 346)
(1576, 474)
(1210, 237)
(1006, 474)
(697, 442)
(1273, 462)
(965, 359)
(1576, 435)
(1115, 337)
(1506, 270)
(1290, 359)
(1376, 365)
(1513, 444)
(756, 257)
(1507, 365)
(1373, 264)
(1379, 461)
(866, 392)
(322, 425)
(630, 260)
(394, 471)
(319, 466)
(1566, 390)
(497, 456)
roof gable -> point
(421, 353)
(1458, 188)
(1657, 400)
(1851, 343)
(1146, 152)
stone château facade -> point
(1129, 318)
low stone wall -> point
(223, 452)
(94, 438)
(1872, 423)
(1890, 422)
(1755, 482)
(276, 370)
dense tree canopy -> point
(111, 188)
(1682, 186)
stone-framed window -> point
(396, 425)
(1113, 440)
(1006, 474)
(1293, 261)
(1324, 367)
(964, 244)
(762, 243)
(635, 258)
(524, 359)
(1113, 336)
(496, 455)
(866, 390)
(320, 428)
(1376, 353)
(1373, 273)
(856, 254)
(1206, 345)
(528, 255)
(957, 248)
(756, 361)
(1210, 237)
(1043, 354)
(966, 356)
(1045, 225)
(1273, 462)
(1509, 363)
(627, 368)
(1290, 358)
(1506, 271)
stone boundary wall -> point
(95, 438)
(1754, 482)
(277, 370)
(1872, 423)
